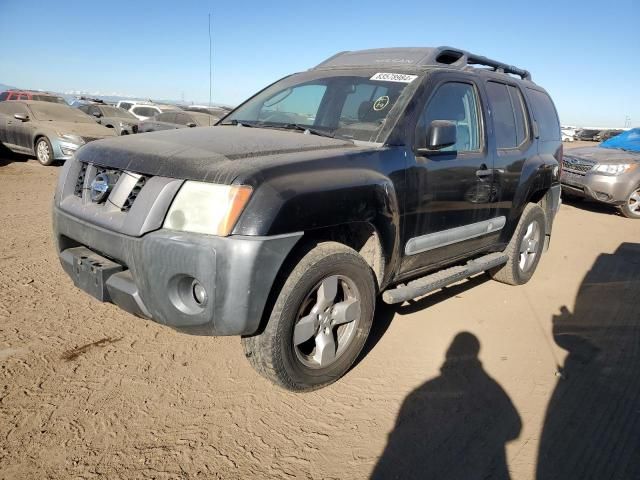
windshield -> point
(54, 111)
(346, 104)
(117, 112)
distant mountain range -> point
(69, 97)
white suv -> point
(144, 110)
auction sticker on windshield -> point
(394, 77)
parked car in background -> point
(31, 95)
(568, 134)
(608, 173)
(48, 130)
(217, 112)
(607, 134)
(587, 134)
(176, 119)
(362, 177)
(119, 119)
(142, 110)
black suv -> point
(390, 172)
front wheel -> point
(631, 208)
(319, 322)
(524, 249)
(44, 152)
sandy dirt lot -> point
(461, 384)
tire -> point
(631, 207)
(309, 365)
(518, 271)
(44, 152)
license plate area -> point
(571, 178)
(89, 271)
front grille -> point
(90, 139)
(577, 165)
(134, 194)
(80, 181)
(114, 177)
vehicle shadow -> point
(7, 157)
(592, 423)
(454, 426)
(591, 206)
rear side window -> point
(545, 114)
(3, 96)
(145, 111)
(509, 118)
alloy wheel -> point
(327, 321)
(529, 246)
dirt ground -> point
(89, 391)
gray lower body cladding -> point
(160, 269)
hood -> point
(216, 154)
(81, 129)
(603, 155)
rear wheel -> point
(319, 322)
(524, 249)
(631, 208)
(44, 152)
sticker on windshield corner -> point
(394, 77)
(381, 103)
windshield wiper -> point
(236, 122)
(301, 128)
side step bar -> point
(442, 278)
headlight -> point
(207, 208)
(71, 138)
(613, 169)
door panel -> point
(450, 205)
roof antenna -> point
(210, 71)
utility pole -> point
(210, 69)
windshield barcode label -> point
(394, 77)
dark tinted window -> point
(84, 108)
(23, 96)
(93, 110)
(545, 114)
(183, 119)
(504, 121)
(144, 111)
(3, 96)
(455, 102)
(11, 108)
(168, 117)
(520, 114)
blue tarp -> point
(629, 140)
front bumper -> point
(152, 276)
(603, 188)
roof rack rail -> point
(458, 57)
(421, 56)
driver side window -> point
(457, 103)
(296, 105)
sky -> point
(585, 53)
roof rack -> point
(399, 57)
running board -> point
(436, 281)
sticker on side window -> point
(394, 77)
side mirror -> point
(440, 134)
(22, 117)
(191, 124)
(97, 114)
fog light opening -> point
(199, 293)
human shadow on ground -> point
(386, 313)
(454, 426)
(592, 423)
